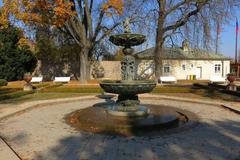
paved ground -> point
(42, 134)
(6, 153)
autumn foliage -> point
(54, 12)
(117, 5)
(40, 11)
(82, 20)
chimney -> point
(185, 45)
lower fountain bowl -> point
(128, 87)
(158, 120)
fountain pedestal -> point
(127, 103)
(128, 88)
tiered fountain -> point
(128, 88)
(127, 116)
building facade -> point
(182, 63)
(184, 69)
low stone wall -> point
(112, 70)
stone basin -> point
(128, 87)
(127, 39)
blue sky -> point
(227, 45)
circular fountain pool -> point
(159, 119)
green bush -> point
(75, 90)
(8, 90)
(15, 95)
(97, 89)
(171, 90)
(15, 60)
(41, 85)
(3, 82)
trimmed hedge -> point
(172, 90)
(98, 89)
(8, 90)
(41, 86)
(50, 87)
(3, 82)
(15, 95)
(76, 90)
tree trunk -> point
(158, 59)
(84, 66)
(158, 54)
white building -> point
(184, 61)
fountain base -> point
(159, 118)
(127, 106)
(130, 111)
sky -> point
(227, 37)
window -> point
(217, 68)
(184, 67)
(166, 68)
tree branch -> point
(186, 17)
(98, 27)
(81, 9)
(91, 6)
(106, 33)
(88, 18)
(172, 9)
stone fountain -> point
(126, 116)
(128, 88)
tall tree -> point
(175, 20)
(174, 14)
(83, 20)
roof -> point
(179, 53)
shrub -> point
(50, 87)
(8, 90)
(171, 90)
(3, 82)
(75, 90)
(15, 60)
(15, 95)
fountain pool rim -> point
(128, 87)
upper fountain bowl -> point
(127, 39)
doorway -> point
(199, 73)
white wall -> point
(207, 68)
(113, 68)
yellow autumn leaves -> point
(117, 5)
(39, 11)
(55, 12)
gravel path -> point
(42, 134)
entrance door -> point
(199, 73)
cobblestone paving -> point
(42, 134)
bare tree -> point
(88, 28)
(195, 20)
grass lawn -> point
(41, 96)
(13, 92)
